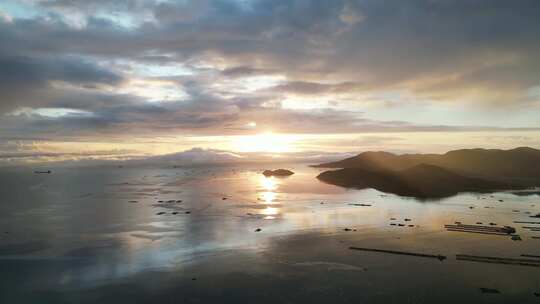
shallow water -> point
(98, 235)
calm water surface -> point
(147, 235)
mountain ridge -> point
(438, 175)
(520, 163)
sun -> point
(264, 142)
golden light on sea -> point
(268, 186)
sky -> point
(114, 80)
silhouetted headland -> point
(438, 175)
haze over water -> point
(99, 235)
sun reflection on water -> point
(268, 197)
(268, 186)
(268, 183)
(270, 213)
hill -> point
(421, 181)
(520, 165)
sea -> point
(228, 234)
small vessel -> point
(43, 172)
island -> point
(278, 172)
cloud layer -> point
(110, 70)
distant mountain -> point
(520, 165)
(211, 157)
(421, 181)
(195, 156)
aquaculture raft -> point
(436, 256)
(505, 230)
(498, 260)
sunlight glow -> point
(154, 90)
(265, 142)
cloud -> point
(187, 158)
(191, 68)
(16, 151)
(410, 44)
(5, 18)
(314, 88)
(26, 81)
(351, 16)
(245, 71)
